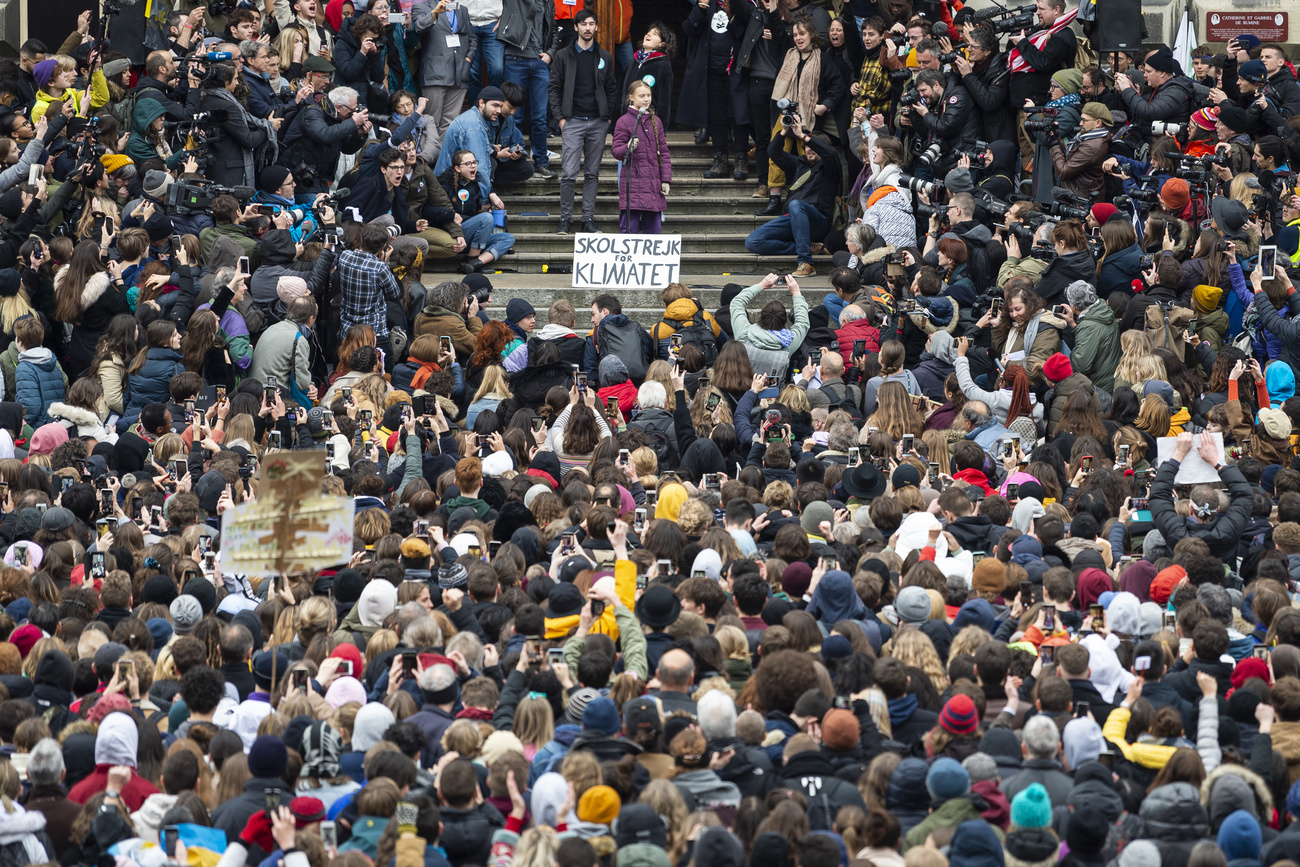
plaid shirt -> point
(873, 88)
(366, 281)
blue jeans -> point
(479, 236)
(534, 77)
(789, 235)
(493, 52)
(622, 58)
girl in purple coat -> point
(646, 174)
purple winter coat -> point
(648, 169)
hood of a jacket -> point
(975, 845)
(943, 348)
(974, 232)
(55, 669)
(1220, 800)
(278, 248)
(39, 356)
(1174, 812)
(146, 111)
(1031, 845)
(684, 309)
(551, 331)
(1280, 379)
(906, 790)
(1099, 313)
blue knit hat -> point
(947, 780)
(601, 715)
(1031, 807)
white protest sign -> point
(1193, 470)
(626, 261)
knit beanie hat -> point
(1031, 807)
(1069, 80)
(612, 371)
(1206, 298)
(599, 804)
(841, 729)
(958, 716)
(947, 779)
(1087, 831)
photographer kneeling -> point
(814, 183)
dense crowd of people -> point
(964, 564)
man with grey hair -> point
(831, 390)
(653, 416)
(1040, 743)
(982, 426)
(321, 132)
(46, 770)
(749, 769)
(439, 688)
(1095, 351)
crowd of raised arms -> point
(987, 558)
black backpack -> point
(625, 342)
(696, 332)
(663, 448)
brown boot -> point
(805, 269)
(760, 193)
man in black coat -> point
(321, 132)
(1057, 53)
(1220, 531)
(946, 114)
(161, 83)
(988, 81)
(1210, 642)
(812, 773)
(973, 531)
(1072, 661)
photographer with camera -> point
(1033, 60)
(1078, 162)
(1168, 95)
(815, 181)
(987, 80)
(239, 143)
(359, 63)
(162, 82)
(806, 88)
(1057, 119)
(318, 136)
(1017, 238)
(1073, 261)
(946, 115)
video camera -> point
(788, 108)
(1069, 206)
(1015, 23)
(192, 196)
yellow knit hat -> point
(113, 162)
(1206, 298)
(599, 804)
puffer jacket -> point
(1096, 351)
(151, 384)
(278, 254)
(650, 165)
(1063, 271)
(467, 834)
(352, 67)
(1118, 271)
(1171, 101)
(1174, 819)
(906, 796)
(40, 382)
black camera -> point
(1043, 253)
(1022, 232)
(900, 75)
(928, 211)
(911, 97)
(1014, 24)
(1045, 121)
(949, 56)
(193, 196)
(788, 108)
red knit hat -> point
(25, 637)
(1103, 211)
(959, 716)
(1175, 194)
(1162, 586)
(1057, 368)
(1248, 668)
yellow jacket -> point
(98, 97)
(624, 586)
(1146, 755)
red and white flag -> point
(1018, 63)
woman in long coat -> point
(640, 141)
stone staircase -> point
(713, 216)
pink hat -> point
(25, 637)
(47, 438)
(1206, 118)
(344, 690)
(289, 288)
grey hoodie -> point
(703, 790)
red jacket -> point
(975, 477)
(626, 393)
(858, 329)
(133, 795)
